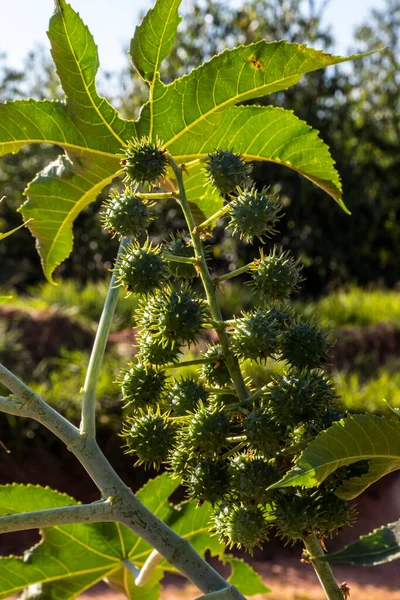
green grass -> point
(85, 303)
(359, 395)
(355, 306)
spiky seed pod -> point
(177, 315)
(262, 433)
(141, 270)
(215, 372)
(181, 460)
(125, 214)
(206, 431)
(150, 435)
(226, 170)
(300, 397)
(241, 526)
(301, 513)
(184, 396)
(208, 481)
(281, 312)
(254, 214)
(275, 276)
(304, 345)
(180, 245)
(250, 476)
(256, 335)
(157, 351)
(142, 385)
(144, 160)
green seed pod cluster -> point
(150, 436)
(276, 275)
(251, 476)
(144, 160)
(226, 171)
(142, 385)
(304, 345)
(242, 526)
(228, 438)
(185, 395)
(173, 314)
(300, 397)
(254, 214)
(215, 372)
(141, 269)
(125, 214)
(300, 513)
(208, 481)
(180, 246)
(256, 335)
(157, 351)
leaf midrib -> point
(153, 82)
(85, 149)
(354, 457)
(231, 100)
(77, 209)
(113, 133)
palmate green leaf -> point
(264, 133)
(244, 577)
(154, 38)
(355, 438)
(380, 546)
(87, 127)
(72, 558)
(189, 116)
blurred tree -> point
(356, 109)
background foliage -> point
(355, 107)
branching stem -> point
(233, 274)
(187, 260)
(88, 421)
(322, 568)
(98, 512)
(209, 288)
(220, 213)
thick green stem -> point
(230, 360)
(98, 512)
(322, 568)
(234, 273)
(88, 421)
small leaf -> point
(355, 438)
(4, 235)
(247, 581)
(154, 38)
(380, 546)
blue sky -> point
(24, 23)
